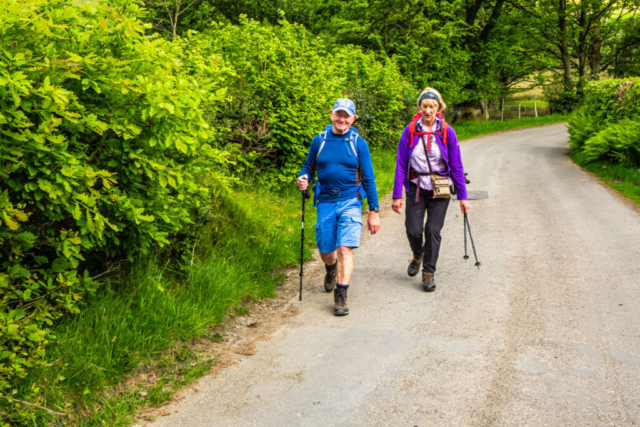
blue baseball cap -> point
(345, 105)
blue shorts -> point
(339, 224)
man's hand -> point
(373, 222)
(464, 206)
(397, 205)
(302, 182)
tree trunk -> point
(564, 47)
(495, 15)
(596, 52)
(472, 12)
(582, 50)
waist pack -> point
(319, 189)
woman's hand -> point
(397, 205)
(464, 206)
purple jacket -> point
(450, 155)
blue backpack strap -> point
(317, 188)
(323, 139)
(353, 140)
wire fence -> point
(498, 110)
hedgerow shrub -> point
(610, 101)
(103, 155)
(606, 125)
(385, 101)
(618, 143)
(581, 127)
(285, 83)
(280, 93)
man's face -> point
(342, 121)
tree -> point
(166, 14)
(575, 32)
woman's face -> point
(429, 108)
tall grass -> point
(146, 315)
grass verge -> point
(624, 180)
(143, 320)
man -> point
(345, 178)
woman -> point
(412, 172)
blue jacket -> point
(339, 168)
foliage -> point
(609, 101)
(285, 82)
(625, 49)
(581, 127)
(606, 127)
(618, 143)
(103, 155)
(424, 37)
(561, 100)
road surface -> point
(546, 333)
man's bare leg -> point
(330, 264)
(329, 258)
(345, 264)
(345, 268)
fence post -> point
(502, 113)
(535, 109)
(519, 109)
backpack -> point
(413, 133)
(353, 140)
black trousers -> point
(436, 210)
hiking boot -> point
(330, 279)
(427, 282)
(340, 298)
(414, 266)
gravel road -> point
(546, 333)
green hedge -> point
(610, 101)
(103, 155)
(285, 82)
(607, 125)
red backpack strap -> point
(445, 128)
(412, 128)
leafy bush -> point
(605, 127)
(581, 127)
(560, 100)
(610, 101)
(385, 101)
(103, 155)
(286, 81)
(618, 142)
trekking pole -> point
(305, 196)
(466, 218)
(466, 256)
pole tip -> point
(466, 257)
(478, 265)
